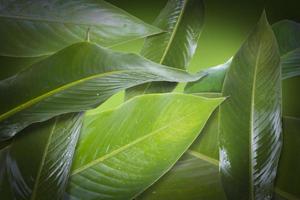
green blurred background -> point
(227, 24)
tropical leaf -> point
(123, 151)
(288, 37)
(183, 21)
(35, 29)
(37, 162)
(76, 78)
(250, 120)
(196, 175)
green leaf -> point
(287, 182)
(250, 120)
(123, 151)
(183, 21)
(196, 175)
(76, 78)
(37, 29)
(37, 162)
(288, 37)
(212, 82)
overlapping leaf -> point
(196, 174)
(77, 78)
(32, 29)
(183, 21)
(123, 151)
(250, 120)
(288, 37)
(36, 164)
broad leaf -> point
(288, 37)
(250, 120)
(196, 175)
(123, 151)
(183, 21)
(76, 78)
(36, 164)
(33, 29)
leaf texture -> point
(123, 151)
(182, 20)
(32, 30)
(81, 77)
(196, 175)
(37, 162)
(288, 37)
(250, 120)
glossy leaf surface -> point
(37, 162)
(196, 175)
(81, 77)
(123, 151)
(35, 29)
(182, 20)
(250, 120)
(288, 37)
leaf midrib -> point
(127, 146)
(35, 100)
(170, 41)
(37, 180)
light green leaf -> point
(37, 162)
(76, 78)
(123, 151)
(288, 37)
(34, 29)
(196, 175)
(250, 120)
(183, 21)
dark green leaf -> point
(288, 37)
(287, 182)
(37, 162)
(33, 29)
(250, 120)
(123, 151)
(183, 21)
(76, 78)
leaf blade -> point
(145, 141)
(93, 75)
(257, 110)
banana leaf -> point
(250, 120)
(76, 78)
(36, 163)
(123, 151)
(183, 21)
(288, 37)
(32, 30)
